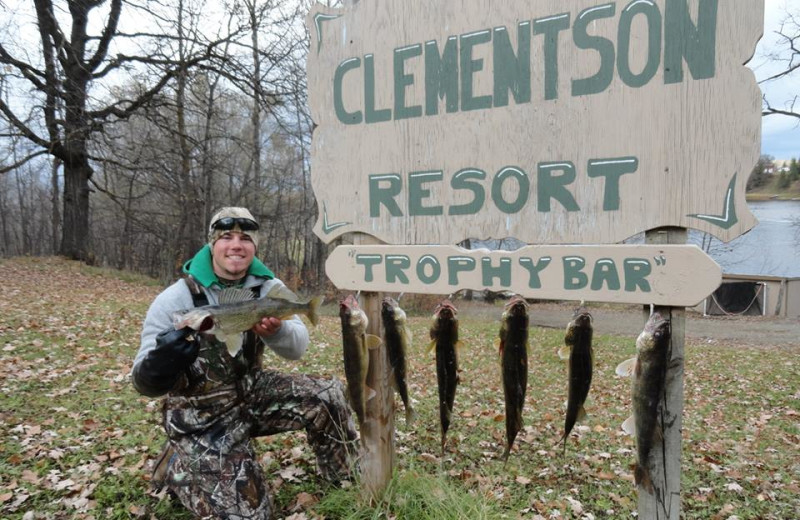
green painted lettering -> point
(653, 16)
(523, 189)
(534, 268)
(441, 76)
(417, 192)
(373, 115)
(636, 273)
(550, 27)
(697, 44)
(396, 266)
(465, 180)
(458, 264)
(551, 186)
(428, 263)
(490, 272)
(403, 80)
(604, 47)
(469, 66)
(512, 72)
(574, 277)
(612, 169)
(368, 261)
(605, 272)
(348, 118)
(382, 191)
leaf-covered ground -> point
(75, 438)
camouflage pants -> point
(214, 471)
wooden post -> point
(377, 431)
(665, 458)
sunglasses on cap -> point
(228, 223)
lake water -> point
(771, 248)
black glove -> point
(157, 373)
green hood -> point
(202, 270)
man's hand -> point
(267, 327)
(158, 372)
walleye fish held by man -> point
(513, 350)
(577, 350)
(649, 372)
(444, 336)
(238, 311)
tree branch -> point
(108, 33)
(37, 153)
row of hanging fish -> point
(647, 369)
(356, 344)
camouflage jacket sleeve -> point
(174, 298)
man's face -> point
(232, 255)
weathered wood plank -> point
(563, 163)
(665, 459)
(378, 430)
(672, 275)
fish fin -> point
(642, 478)
(629, 426)
(232, 340)
(498, 344)
(564, 352)
(459, 345)
(407, 333)
(625, 369)
(582, 415)
(370, 392)
(231, 295)
(313, 310)
(281, 292)
(373, 341)
(432, 346)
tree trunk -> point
(75, 231)
(56, 214)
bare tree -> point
(787, 56)
(70, 58)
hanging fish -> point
(355, 347)
(649, 372)
(397, 338)
(577, 350)
(444, 336)
(513, 350)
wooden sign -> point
(648, 274)
(555, 121)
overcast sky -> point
(780, 135)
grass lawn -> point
(76, 437)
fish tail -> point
(506, 453)
(313, 310)
(411, 415)
(642, 478)
(563, 439)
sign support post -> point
(377, 432)
(666, 456)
